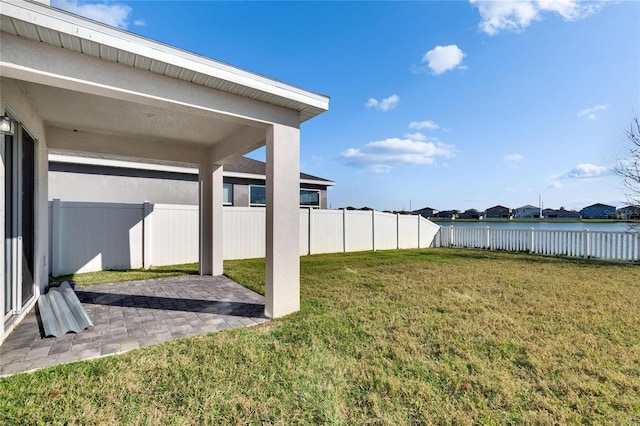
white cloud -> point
(139, 23)
(552, 182)
(517, 15)
(382, 156)
(417, 136)
(581, 171)
(441, 59)
(586, 170)
(514, 157)
(384, 105)
(116, 15)
(426, 124)
(591, 112)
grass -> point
(436, 336)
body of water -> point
(551, 226)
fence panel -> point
(96, 236)
(358, 230)
(326, 233)
(408, 236)
(615, 246)
(174, 233)
(386, 231)
(244, 232)
(428, 232)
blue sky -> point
(451, 105)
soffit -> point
(61, 29)
(86, 112)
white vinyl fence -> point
(88, 237)
(602, 245)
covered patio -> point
(71, 85)
(131, 315)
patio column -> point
(210, 177)
(282, 269)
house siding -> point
(498, 212)
(598, 211)
(94, 183)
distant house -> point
(527, 212)
(446, 214)
(471, 214)
(74, 178)
(561, 214)
(598, 211)
(426, 212)
(498, 212)
(629, 212)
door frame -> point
(12, 247)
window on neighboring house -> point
(309, 198)
(227, 194)
(257, 195)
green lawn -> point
(435, 336)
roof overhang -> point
(58, 28)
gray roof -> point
(255, 167)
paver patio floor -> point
(134, 314)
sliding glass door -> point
(18, 155)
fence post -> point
(586, 246)
(310, 217)
(488, 239)
(344, 230)
(533, 241)
(56, 249)
(398, 231)
(147, 210)
(451, 236)
(373, 229)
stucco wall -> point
(80, 182)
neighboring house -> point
(527, 212)
(72, 85)
(471, 214)
(598, 211)
(561, 214)
(498, 212)
(629, 213)
(446, 214)
(426, 212)
(73, 178)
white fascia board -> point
(105, 162)
(75, 26)
(92, 161)
(262, 177)
(318, 182)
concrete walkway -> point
(134, 314)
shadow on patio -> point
(134, 314)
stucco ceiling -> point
(89, 113)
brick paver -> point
(134, 314)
